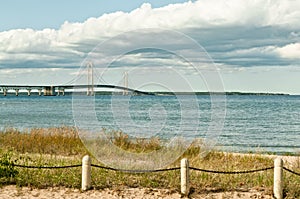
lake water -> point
(252, 123)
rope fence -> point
(184, 169)
(46, 167)
(135, 171)
(231, 172)
(149, 171)
(291, 171)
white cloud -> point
(252, 52)
(36, 76)
(73, 40)
(290, 51)
(26, 40)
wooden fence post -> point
(278, 178)
(86, 173)
(185, 175)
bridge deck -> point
(61, 88)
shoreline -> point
(218, 148)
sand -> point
(13, 192)
(287, 160)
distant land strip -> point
(218, 93)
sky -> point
(249, 45)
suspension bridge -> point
(72, 86)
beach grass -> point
(53, 141)
(62, 146)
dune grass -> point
(54, 141)
(62, 146)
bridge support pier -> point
(90, 93)
(49, 91)
(4, 91)
(17, 91)
(61, 91)
(28, 91)
(40, 92)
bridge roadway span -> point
(60, 89)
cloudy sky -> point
(254, 44)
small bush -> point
(7, 170)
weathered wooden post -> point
(185, 175)
(278, 178)
(86, 173)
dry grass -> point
(137, 145)
(62, 146)
(55, 141)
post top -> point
(184, 161)
(86, 158)
(278, 162)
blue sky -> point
(255, 45)
(38, 14)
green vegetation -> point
(62, 146)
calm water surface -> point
(252, 123)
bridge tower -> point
(125, 91)
(90, 79)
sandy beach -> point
(13, 192)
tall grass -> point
(62, 146)
(54, 141)
(137, 145)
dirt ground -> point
(13, 192)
